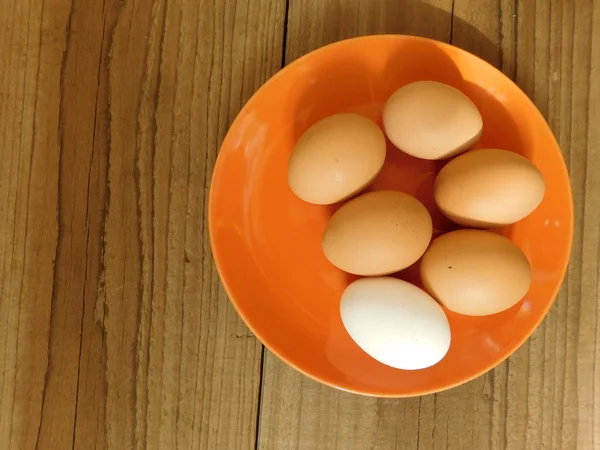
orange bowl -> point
(267, 243)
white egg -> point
(395, 322)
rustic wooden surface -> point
(114, 330)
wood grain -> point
(546, 395)
(114, 329)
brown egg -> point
(336, 158)
(488, 188)
(431, 120)
(475, 272)
(377, 233)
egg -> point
(431, 120)
(377, 233)
(336, 158)
(475, 272)
(488, 188)
(395, 322)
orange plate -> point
(267, 243)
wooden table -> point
(114, 329)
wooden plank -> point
(546, 394)
(32, 43)
(312, 24)
(114, 329)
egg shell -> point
(336, 158)
(475, 272)
(431, 120)
(489, 187)
(395, 322)
(377, 233)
